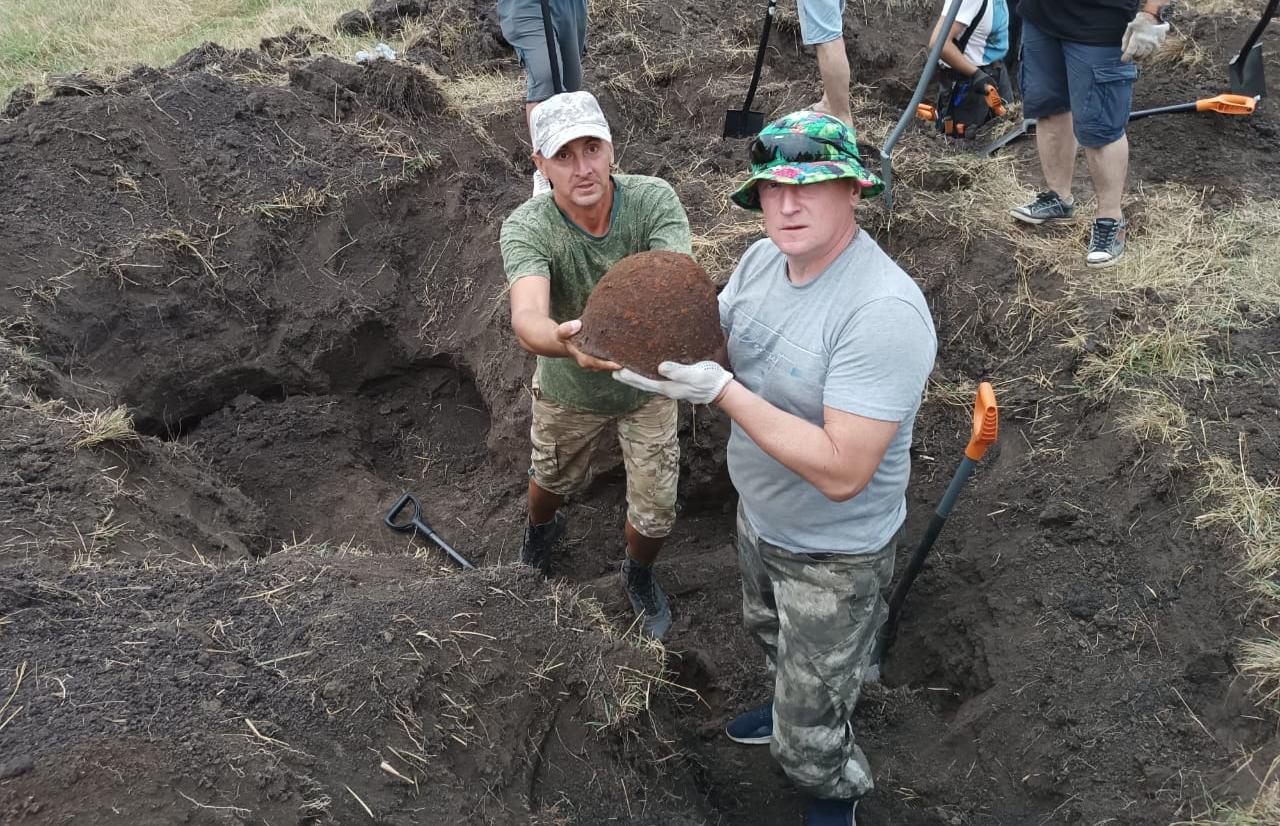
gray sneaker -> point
(1048, 206)
(647, 598)
(1106, 242)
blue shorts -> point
(1088, 81)
(821, 21)
(522, 27)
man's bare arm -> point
(839, 458)
(538, 332)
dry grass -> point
(293, 201)
(1189, 274)
(484, 91)
(719, 248)
(1152, 415)
(958, 190)
(41, 36)
(1251, 509)
(399, 154)
(98, 427)
(1226, 7)
(1264, 810)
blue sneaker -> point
(754, 727)
(830, 812)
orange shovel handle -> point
(986, 422)
(995, 103)
(1228, 104)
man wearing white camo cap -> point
(555, 247)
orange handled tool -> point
(1222, 104)
(986, 422)
(995, 103)
(926, 111)
(986, 427)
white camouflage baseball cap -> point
(565, 117)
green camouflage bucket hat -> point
(805, 148)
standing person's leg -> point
(1101, 96)
(651, 454)
(760, 617)
(571, 35)
(521, 22)
(1046, 98)
(822, 26)
(831, 607)
(562, 443)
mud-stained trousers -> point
(816, 617)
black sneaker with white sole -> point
(1106, 242)
(1047, 207)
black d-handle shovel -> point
(417, 522)
(743, 123)
(1245, 72)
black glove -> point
(979, 83)
(972, 111)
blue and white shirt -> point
(990, 39)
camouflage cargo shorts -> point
(564, 440)
(816, 616)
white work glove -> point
(700, 383)
(1144, 35)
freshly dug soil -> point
(290, 278)
(652, 307)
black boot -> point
(539, 540)
(647, 598)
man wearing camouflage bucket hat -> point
(831, 344)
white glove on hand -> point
(700, 383)
(1144, 35)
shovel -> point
(1222, 104)
(743, 123)
(986, 420)
(418, 522)
(1245, 72)
(1227, 104)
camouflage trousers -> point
(816, 617)
(564, 440)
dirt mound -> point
(296, 42)
(288, 277)
(649, 308)
(336, 686)
(397, 88)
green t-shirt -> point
(539, 240)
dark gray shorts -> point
(1086, 80)
(522, 27)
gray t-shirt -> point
(859, 339)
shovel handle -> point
(1228, 104)
(1267, 13)
(760, 52)
(418, 522)
(995, 103)
(401, 503)
(986, 422)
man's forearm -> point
(802, 447)
(956, 60)
(537, 334)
